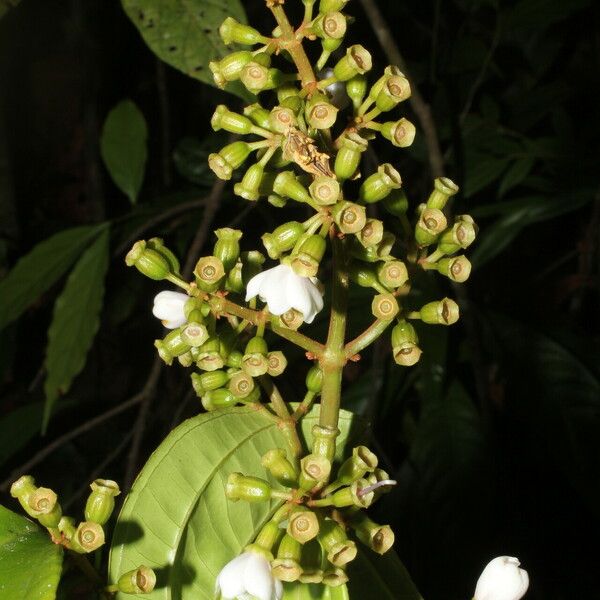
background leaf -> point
(75, 321)
(123, 145)
(30, 564)
(38, 270)
(185, 33)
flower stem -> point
(367, 337)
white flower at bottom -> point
(502, 579)
(168, 307)
(282, 290)
(248, 576)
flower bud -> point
(404, 344)
(228, 159)
(230, 67)
(429, 226)
(216, 399)
(325, 191)
(286, 184)
(361, 462)
(208, 356)
(364, 276)
(258, 78)
(320, 113)
(276, 200)
(286, 567)
(349, 217)
(357, 61)
(44, 506)
(389, 71)
(66, 526)
(392, 274)
(444, 188)
(149, 262)
(282, 239)
(384, 248)
(328, 6)
(340, 550)
(308, 256)
(252, 262)
(251, 489)
(277, 363)
(352, 145)
(303, 525)
(194, 334)
(502, 579)
(330, 26)
(396, 89)
(314, 470)
(213, 380)
(171, 346)
(461, 235)
(314, 379)
(364, 253)
(249, 187)
(158, 244)
(101, 502)
(227, 247)
(241, 384)
(380, 538)
(371, 233)
(280, 467)
(334, 577)
(281, 119)
(234, 359)
(380, 184)
(286, 91)
(89, 536)
(233, 32)
(385, 306)
(396, 203)
(442, 312)
(230, 121)
(352, 496)
(356, 88)
(401, 133)
(139, 581)
(292, 319)
(255, 362)
(259, 115)
(457, 268)
(324, 441)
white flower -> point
(168, 307)
(282, 289)
(249, 576)
(502, 579)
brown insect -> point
(302, 150)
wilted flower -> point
(502, 579)
(168, 307)
(248, 576)
(283, 290)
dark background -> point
(495, 436)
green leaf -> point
(185, 33)
(482, 172)
(30, 564)
(40, 268)
(191, 158)
(515, 174)
(75, 321)
(177, 518)
(123, 146)
(6, 5)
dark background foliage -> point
(495, 436)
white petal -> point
(258, 580)
(502, 579)
(231, 578)
(272, 290)
(278, 590)
(254, 285)
(168, 307)
(312, 299)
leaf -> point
(123, 145)
(30, 564)
(191, 158)
(482, 173)
(6, 5)
(515, 174)
(185, 33)
(75, 321)
(40, 268)
(177, 518)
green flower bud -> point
(216, 399)
(277, 363)
(429, 226)
(186, 360)
(258, 78)
(230, 121)
(276, 200)
(249, 187)
(364, 276)
(320, 113)
(209, 272)
(286, 567)
(230, 67)
(352, 145)
(380, 538)
(212, 380)
(396, 203)
(401, 133)
(149, 262)
(353, 496)
(139, 581)
(444, 188)
(457, 268)
(314, 471)
(330, 44)
(364, 253)
(254, 361)
(228, 159)
(384, 248)
(385, 306)
(281, 119)
(396, 89)
(460, 236)
(390, 71)
(314, 379)
(282, 239)
(356, 88)
(356, 62)
(307, 258)
(194, 334)
(233, 32)
(101, 502)
(330, 26)
(303, 525)
(355, 467)
(442, 312)
(371, 233)
(340, 550)
(286, 184)
(158, 244)
(252, 262)
(171, 345)
(234, 359)
(241, 384)
(287, 90)
(251, 489)
(44, 506)
(324, 441)
(349, 217)
(325, 191)
(294, 103)
(380, 184)
(280, 467)
(208, 356)
(259, 115)
(334, 577)
(227, 248)
(292, 319)
(392, 274)
(22, 487)
(328, 6)
(67, 527)
(89, 536)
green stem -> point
(367, 337)
(304, 406)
